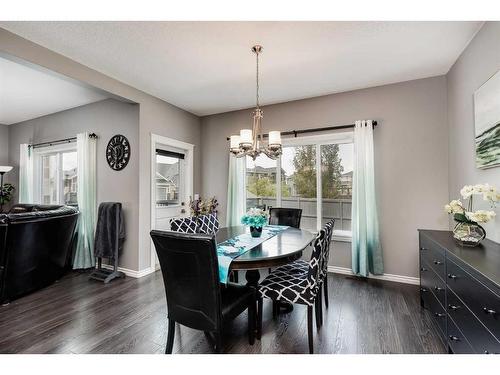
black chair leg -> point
(326, 291)
(218, 342)
(259, 318)
(309, 328)
(320, 303)
(251, 321)
(235, 273)
(170, 336)
(276, 309)
(317, 310)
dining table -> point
(283, 248)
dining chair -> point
(295, 287)
(301, 265)
(195, 298)
(184, 225)
(326, 257)
(285, 216)
(208, 224)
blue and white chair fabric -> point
(184, 225)
(206, 224)
(294, 286)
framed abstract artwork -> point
(487, 123)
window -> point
(168, 177)
(261, 181)
(56, 175)
(293, 180)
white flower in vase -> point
(480, 216)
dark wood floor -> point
(76, 315)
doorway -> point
(171, 183)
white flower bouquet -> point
(468, 229)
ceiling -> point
(28, 92)
(207, 67)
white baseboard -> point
(385, 276)
(131, 273)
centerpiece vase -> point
(468, 234)
(255, 231)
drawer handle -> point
(423, 269)
(454, 307)
(438, 289)
(423, 248)
(439, 315)
(454, 338)
(451, 276)
(438, 262)
(423, 289)
(489, 311)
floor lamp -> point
(3, 169)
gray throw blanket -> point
(109, 235)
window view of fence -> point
(299, 180)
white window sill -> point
(342, 235)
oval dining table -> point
(281, 249)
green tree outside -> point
(304, 178)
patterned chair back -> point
(327, 241)
(315, 264)
(184, 225)
(208, 224)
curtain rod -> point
(314, 130)
(59, 141)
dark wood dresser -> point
(461, 288)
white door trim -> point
(189, 159)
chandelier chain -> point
(257, 78)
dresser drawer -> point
(479, 299)
(429, 280)
(457, 341)
(481, 340)
(433, 255)
(437, 311)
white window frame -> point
(317, 141)
(38, 154)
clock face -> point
(118, 152)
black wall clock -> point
(118, 152)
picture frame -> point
(487, 123)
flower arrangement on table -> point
(202, 206)
(255, 218)
(468, 230)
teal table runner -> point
(234, 247)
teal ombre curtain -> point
(25, 174)
(236, 200)
(366, 250)
(87, 201)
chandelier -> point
(250, 142)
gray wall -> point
(105, 118)
(4, 145)
(411, 148)
(155, 116)
(479, 61)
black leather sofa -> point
(35, 247)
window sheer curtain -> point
(236, 202)
(87, 201)
(366, 250)
(25, 174)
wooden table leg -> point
(253, 277)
